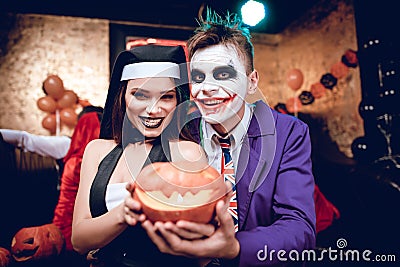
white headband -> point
(150, 69)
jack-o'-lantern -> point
(172, 192)
(5, 257)
(38, 242)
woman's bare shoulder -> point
(99, 147)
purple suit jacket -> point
(275, 188)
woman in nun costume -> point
(143, 122)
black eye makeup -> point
(197, 76)
(219, 73)
(224, 73)
(170, 95)
(139, 94)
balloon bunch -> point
(318, 89)
(59, 103)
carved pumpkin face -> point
(169, 192)
(37, 242)
(5, 257)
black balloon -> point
(281, 107)
(350, 58)
(362, 150)
(306, 98)
(367, 109)
(328, 80)
(390, 73)
(389, 99)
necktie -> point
(229, 175)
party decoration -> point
(68, 99)
(366, 148)
(47, 103)
(59, 103)
(318, 90)
(339, 70)
(54, 86)
(350, 58)
(328, 80)
(5, 257)
(168, 192)
(49, 123)
(295, 79)
(39, 242)
(360, 148)
(69, 117)
(306, 98)
(367, 110)
(293, 105)
(281, 107)
(84, 102)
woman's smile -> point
(151, 122)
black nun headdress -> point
(141, 62)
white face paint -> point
(150, 103)
(219, 84)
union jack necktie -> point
(229, 175)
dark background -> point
(166, 12)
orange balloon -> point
(339, 70)
(293, 104)
(68, 117)
(68, 99)
(294, 79)
(84, 102)
(318, 90)
(54, 86)
(49, 123)
(47, 103)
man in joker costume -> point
(271, 155)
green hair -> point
(228, 29)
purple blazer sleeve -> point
(279, 216)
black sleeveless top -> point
(132, 247)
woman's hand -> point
(132, 209)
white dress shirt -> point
(210, 141)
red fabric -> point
(87, 129)
(325, 211)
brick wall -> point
(77, 49)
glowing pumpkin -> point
(5, 257)
(33, 243)
(170, 192)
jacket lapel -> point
(256, 158)
(256, 155)
(245, 171)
